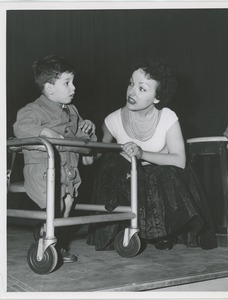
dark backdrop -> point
(102, 44)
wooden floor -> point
(106, 271)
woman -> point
(172, 207)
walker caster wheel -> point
(38, 232)
(48, 262)
(131, 249)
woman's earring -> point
(156, 101)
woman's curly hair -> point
(158, 70)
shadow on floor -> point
(107, 271)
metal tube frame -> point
(120, 213)
(50, 238)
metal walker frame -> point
(42, 256)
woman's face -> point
(141, 91)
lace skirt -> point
(171, 202)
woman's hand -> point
(131, 149)
(87, 126)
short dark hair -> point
(158, 70)
(49, 69)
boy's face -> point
(62, 91)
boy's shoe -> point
(165, 244)
(68, 257)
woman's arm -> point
(174, 153)
(107, 136)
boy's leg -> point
(67, 205)
(63, 233)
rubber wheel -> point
(38, 232)
(133, 247)
(48, 262)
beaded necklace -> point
(143, 135)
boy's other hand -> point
(87, 126)
(50, 133)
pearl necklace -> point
(139, 134)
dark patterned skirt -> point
(171, 203)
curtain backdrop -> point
(102, 44)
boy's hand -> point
(50, 133)
(87, 126)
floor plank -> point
(106, 271)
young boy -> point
(53, 116)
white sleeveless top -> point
(155, 144)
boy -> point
(52, 116)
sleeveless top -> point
(155, 144)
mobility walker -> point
(42, 255)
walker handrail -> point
(85, 144)
(48, 144)
(50, 211)
(16, 142)
(31, 141)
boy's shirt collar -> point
(50, 102)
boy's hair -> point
(49, 69)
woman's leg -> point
(112, 189)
